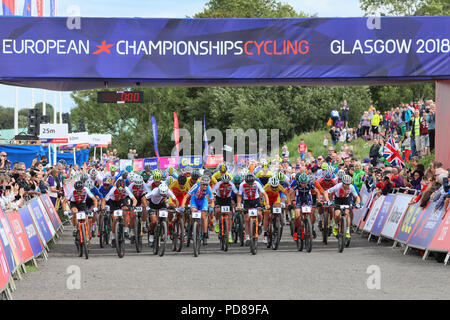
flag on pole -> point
(205, 138)
(40, 7)
(176, 132)
(52, 8)
(27, 8)
(8, 7)
(391, 153)
(155, 136)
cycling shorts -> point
(79, 206)
(199, 204)
(223, 201)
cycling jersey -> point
(264, 177)
(217, 176)
(198, 193)
(152, 184)
(79, 196)
(274, 195)
(96, 193)
(340, 192)
(250, 192)
(327, 184)
(156, 198)
(302, 194)
(223, 190)
(115, 195)
(138, 192)
(104, 191)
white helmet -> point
(89, 184)
(274, 182)
(225, 178)
(347, 179)
(163, 189)
(138, 180)
(341, 174)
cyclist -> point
(342, 196)
(179, 188)
(217, 176)
(264, 174)
(158, 200)
(302, 188)
(251, 191)
(200, 193)
(95, 177)
(89, 184)
(146, 173)
(172, 175)
(193, 179)
(77, 198)
(326, 182)
(274, 190)
(139, 190)
(223, 191)
(155, 180)
(118, 198)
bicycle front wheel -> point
(85, 243)
(225, 235)
(120, 240)
(196, 239)
(308, 234)
(162, 238)
(138, 234)
(253, 237)
(341, 234)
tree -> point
(406, 8)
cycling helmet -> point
(195, 175)
(89, 184)
(182, 179)
(274, 182)
(92, 172)
(223, 167)
(170, 170)
(347, 179)
(188, 171)
(164, 175)
(280, 176)
(120, 184)
(207, 172)
(163, 189)
(341, 174)
(147, 168)
(205, 180)
(330, 169)
(157, 176)
(226, 178)
(328, 176)
(250, 178)
(324, 166)
(129, 168)
(237, 179)
(79, 185)
(124, 175)
(112, 168)
(244, 172)
(138, 180)
(84, 177)
(303, 178)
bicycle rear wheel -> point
(120, 240)
(162, 238)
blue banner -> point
(39, 220)
(241, 160)
(206, 51)
(151, 161)
(410, 220)
(190, 161)
(31, 231)
(27, 8)
(382, 215)
(7, 248)
(155, 136)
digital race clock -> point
(120, 97)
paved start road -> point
(365, 270)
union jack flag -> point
(391, 153)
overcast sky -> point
(153, 9)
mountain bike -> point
(324, 226)
(160, 241)
(138, 228)
(197, 230)
(253, 214)
(120, 235)
(304, 230)
(343, 241)
(105, 223)
(177, 229)
(223, 231)
(238, 228)
(83, 236)
(275, 228)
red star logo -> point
(103, 48)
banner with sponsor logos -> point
(241, 159)
(123, 163)
(225, 50)
(152, 162)
(138, 164)
(410, 219)
(32, 231)
(4, 269)
(214, 160)
(6, 231)
(424, 230)
(165, 162)
(17, 227)
(39, 222)
(382, 215)
(373, 214)
(53, 215)
(190, 161)
(398, 210)
(365, 199)
(441, 239)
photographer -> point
(11, 196)
(5, 164)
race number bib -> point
(306, 209)
(163, 213)
(118, 213)
(138, 209)
(252, 212)
(225, 209)
(276, 210)
(81, 215)
(197, 214)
